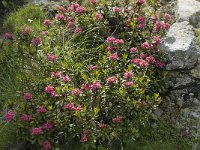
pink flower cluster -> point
(7, 36)
(25, 117)
(36, 131)
(84, 137)
(71, 106)
(93, 2)
(99, 16)
(9, 116)
(47, 22)
(41, 109)
(36, 41)
(76, 92)
(56, 74)
(111, 79)
(46, 145)
(47, 125)
(60, 17)
(140, 62)
(51, 57)
(117, 119)
(27, 96)
(26, 31)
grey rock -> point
(186, 8)
(195, 20)
(196, 72)
(183, 80)
(179, 44)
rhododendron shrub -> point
(100, 75)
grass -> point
(29, 15)
(160, 136)
(8, 138)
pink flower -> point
(66, 78)
(36, 41)
(126, 10)
(37, 131)
(69, 9)
(47, 125)
(78, 108)
(46, 145)
(140, 62)
(128, 84)
(70, 24)
(128, 75)
(41, 109)
(168, 17)
(47, 22)
(26, 31)
(167, 26)
(95, 86)
(140, 1)
(49, 89)
(155, 18)
(78, 30)
(111, 79)
(160, 65)
(156, 40)
(53, 94)
(84, 138)
(99, 16)
(91, 67)
(150, 59)
(103, 125)
(110, 48)
(117, 119)
(60, 17)
(85, 87)
(69, 106)
(61, 9)
(145, 45)
(133, 50)
(27, 96)
(76, 92)
(140, 26)
(80, 9)
(113, 56)
(157, 26)
(143, 56)
(116, 9)
(143, 63)
(141, 19)
(51, 57)
(144, 104)
(9, 116)
(56, 74)
(93, 2)
(45, 33)
(7, 36)
(25, 117)
(70, 19)
(110, 39)
(119, 41)
(75, 5)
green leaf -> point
(5, 4)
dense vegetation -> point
(88, 76)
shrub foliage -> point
(93, 74)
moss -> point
(29, 15)
(197, 31)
